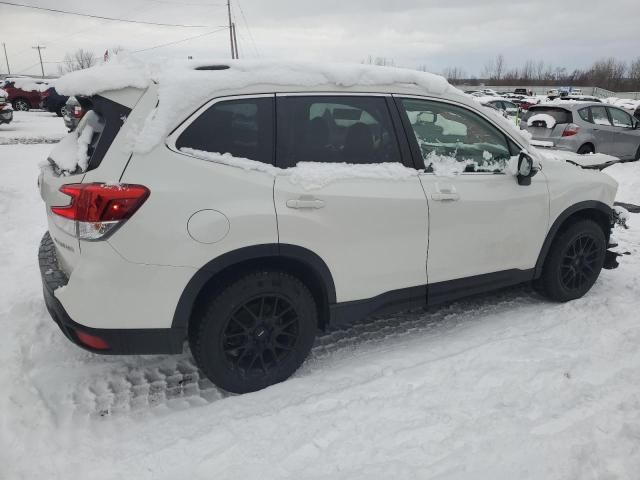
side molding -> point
(255, 252)
(573, 209)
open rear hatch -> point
(80, 151)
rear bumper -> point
(120, 341)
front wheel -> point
(255, 332)
(574, 261)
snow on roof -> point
(29, 84)
(183, 86)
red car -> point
(25, 93)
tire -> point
(586, 148)
(256, 332)
(637, 157)
(21, 105)
(574, 261)
(59, 111)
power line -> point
(248, 29)
(111, 19)
(180, 4)
(180, 41)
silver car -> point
(584, 128)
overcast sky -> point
(414, 33)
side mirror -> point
(526, 170)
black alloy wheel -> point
(574, 261)
(260, 334)
(255, 331)
(580, 263)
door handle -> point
(299, 203)
(445, 192)
(450, 196)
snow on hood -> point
(590, 160)
(31, 84)
(182, 88)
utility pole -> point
(4, 45)
(235, 40)
(40, 47)
(233, 51)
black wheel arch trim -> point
(560, 220)
(206, 273)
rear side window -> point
(355, 130)
(560, 114)
(585, 115)
(599, 115)
(242, 128)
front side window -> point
(242, 128)
(599, 115)
(453, 137)
(335, 129)
(620, 118)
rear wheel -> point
(256, 332)
(586, 148)
(21, 105)
(574, 261)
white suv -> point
(268, 209)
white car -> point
(286, 199)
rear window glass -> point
(242, 128)
(559, 114)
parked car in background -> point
(507, 108)
(72, 113)
(525, 102)
(204, 237)
(523, 91)
(6, 110)
(25, 93)
(54, 102)
(581, 98)
(585, 128)
(553, 94)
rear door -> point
(349, 195)
(604, 132)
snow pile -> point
(625, 103)
(71, 153)
(313, 175)
(548, 120)
(182, 88)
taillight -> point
(92, 341)
(96, 209)
(570, 130)
(77, 111)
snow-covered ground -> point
(36, 126)
(505, 386)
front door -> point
(480, 220)
(347, 196)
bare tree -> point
(380, 61)
(499, 66)
(454, 74)
(78, 60)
